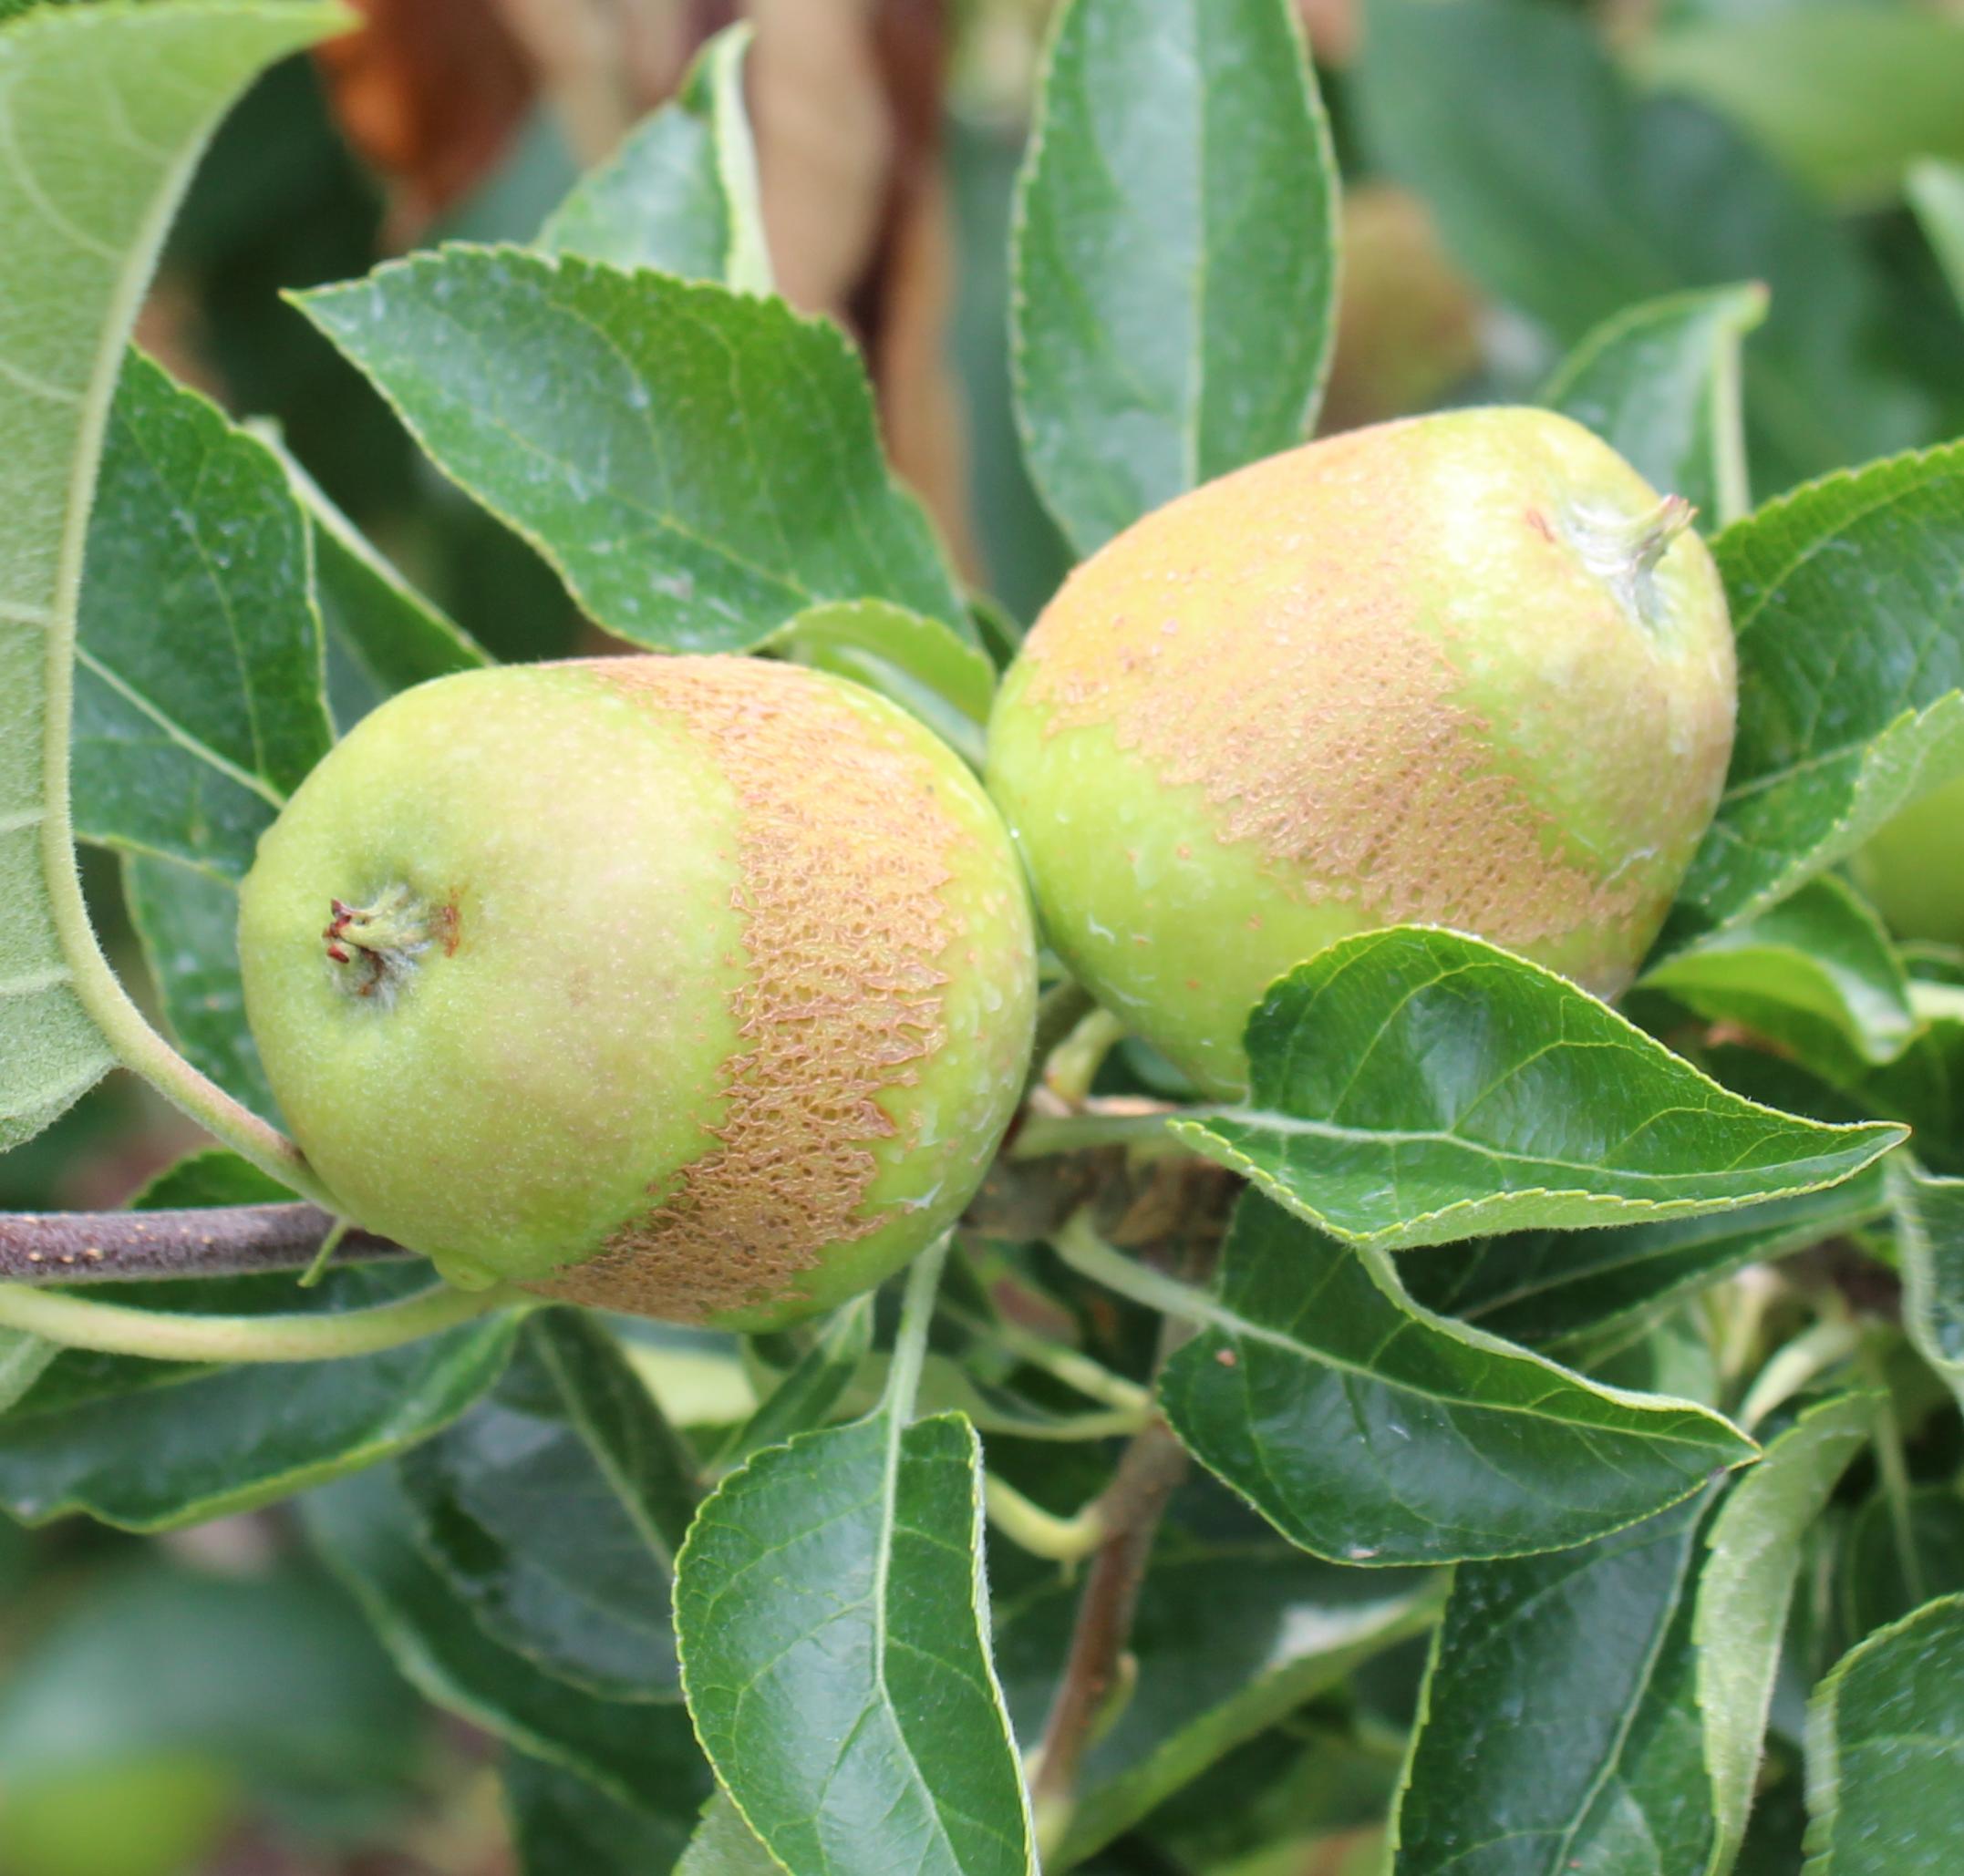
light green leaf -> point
(724, 1845)
(919, 663)
(641, 1757)
(1844, 95)
(680, 194)
(1559, 1729)
(1937, 193)
(1930, 1226)
(1367, 1429)
(155, 1446)
(554, 1510)
(1847, 599)
(1546, 1110)
(563, 1826)
(188, 922)
(698, 465)
(23, 1357)
(1564, 192)
(1234, 1630)
(1660, 385)
(106, 109)
(1885, 1750)
(1815, 973)
(1175, 254)
(1553, 1288)
(835, 1635)
(1754, 1551)
(199, 695)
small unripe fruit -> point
(1914, 869)
(1466, 669)
(698, 987)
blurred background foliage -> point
(1516, 170)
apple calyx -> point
(1624, 551)
(372, 949)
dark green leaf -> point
(1560, 1729)
(680, 194)
(199, 700)
(554, 1510)
(724, 1845)
(698, 465)
(1234, 1631)
(1566, 193)
(835, 1647)
(1175, 260)
(188, 922)
(563, 1826)
(812, 1389)
(212, 1177)
(81, 216)
(1754, 1553)
(1814, 974)
(1367, 1429)
(640, 1756)
(1895, 1557)
(1884, 1748)
(1411, 1087)
(1929, 1224)
(152, 1446)
(1549, 1288)
(1847, 599)
(1660, 384)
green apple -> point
(698, 987)
(1914, 869)
(1466, 669)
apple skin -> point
(159, 1813)
(1465, 669)
(697, 988)
(1913, 870)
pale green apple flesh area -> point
(560, 980)
(1467, 670)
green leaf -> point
(921, 664)
(563, 1826)
(1660, 384)
(1848, 601)
(1814, 974)
(698, 465)
(1367, 1429)
(1845, 95)
(211, 1177)
(82, 214)
(1550, 1288)
(1234, 1631)
(199, 697)
(1754, 1553)
(554, 1510)
(1929, 1234)
(1414, 1086)
(1559, 1728)
(1563, 191)
(383, 636)
(814, 1388)
(1894, 1556)
(188, 922)
(155, 1446)
(23, 1358)
(640, 1756)
(833, 1628)
(1175, 254)
(1937, 193)
(680, 194)
(1886, 1749)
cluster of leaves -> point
(1458, 1370)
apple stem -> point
(1658, 529)
(111, 1328)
